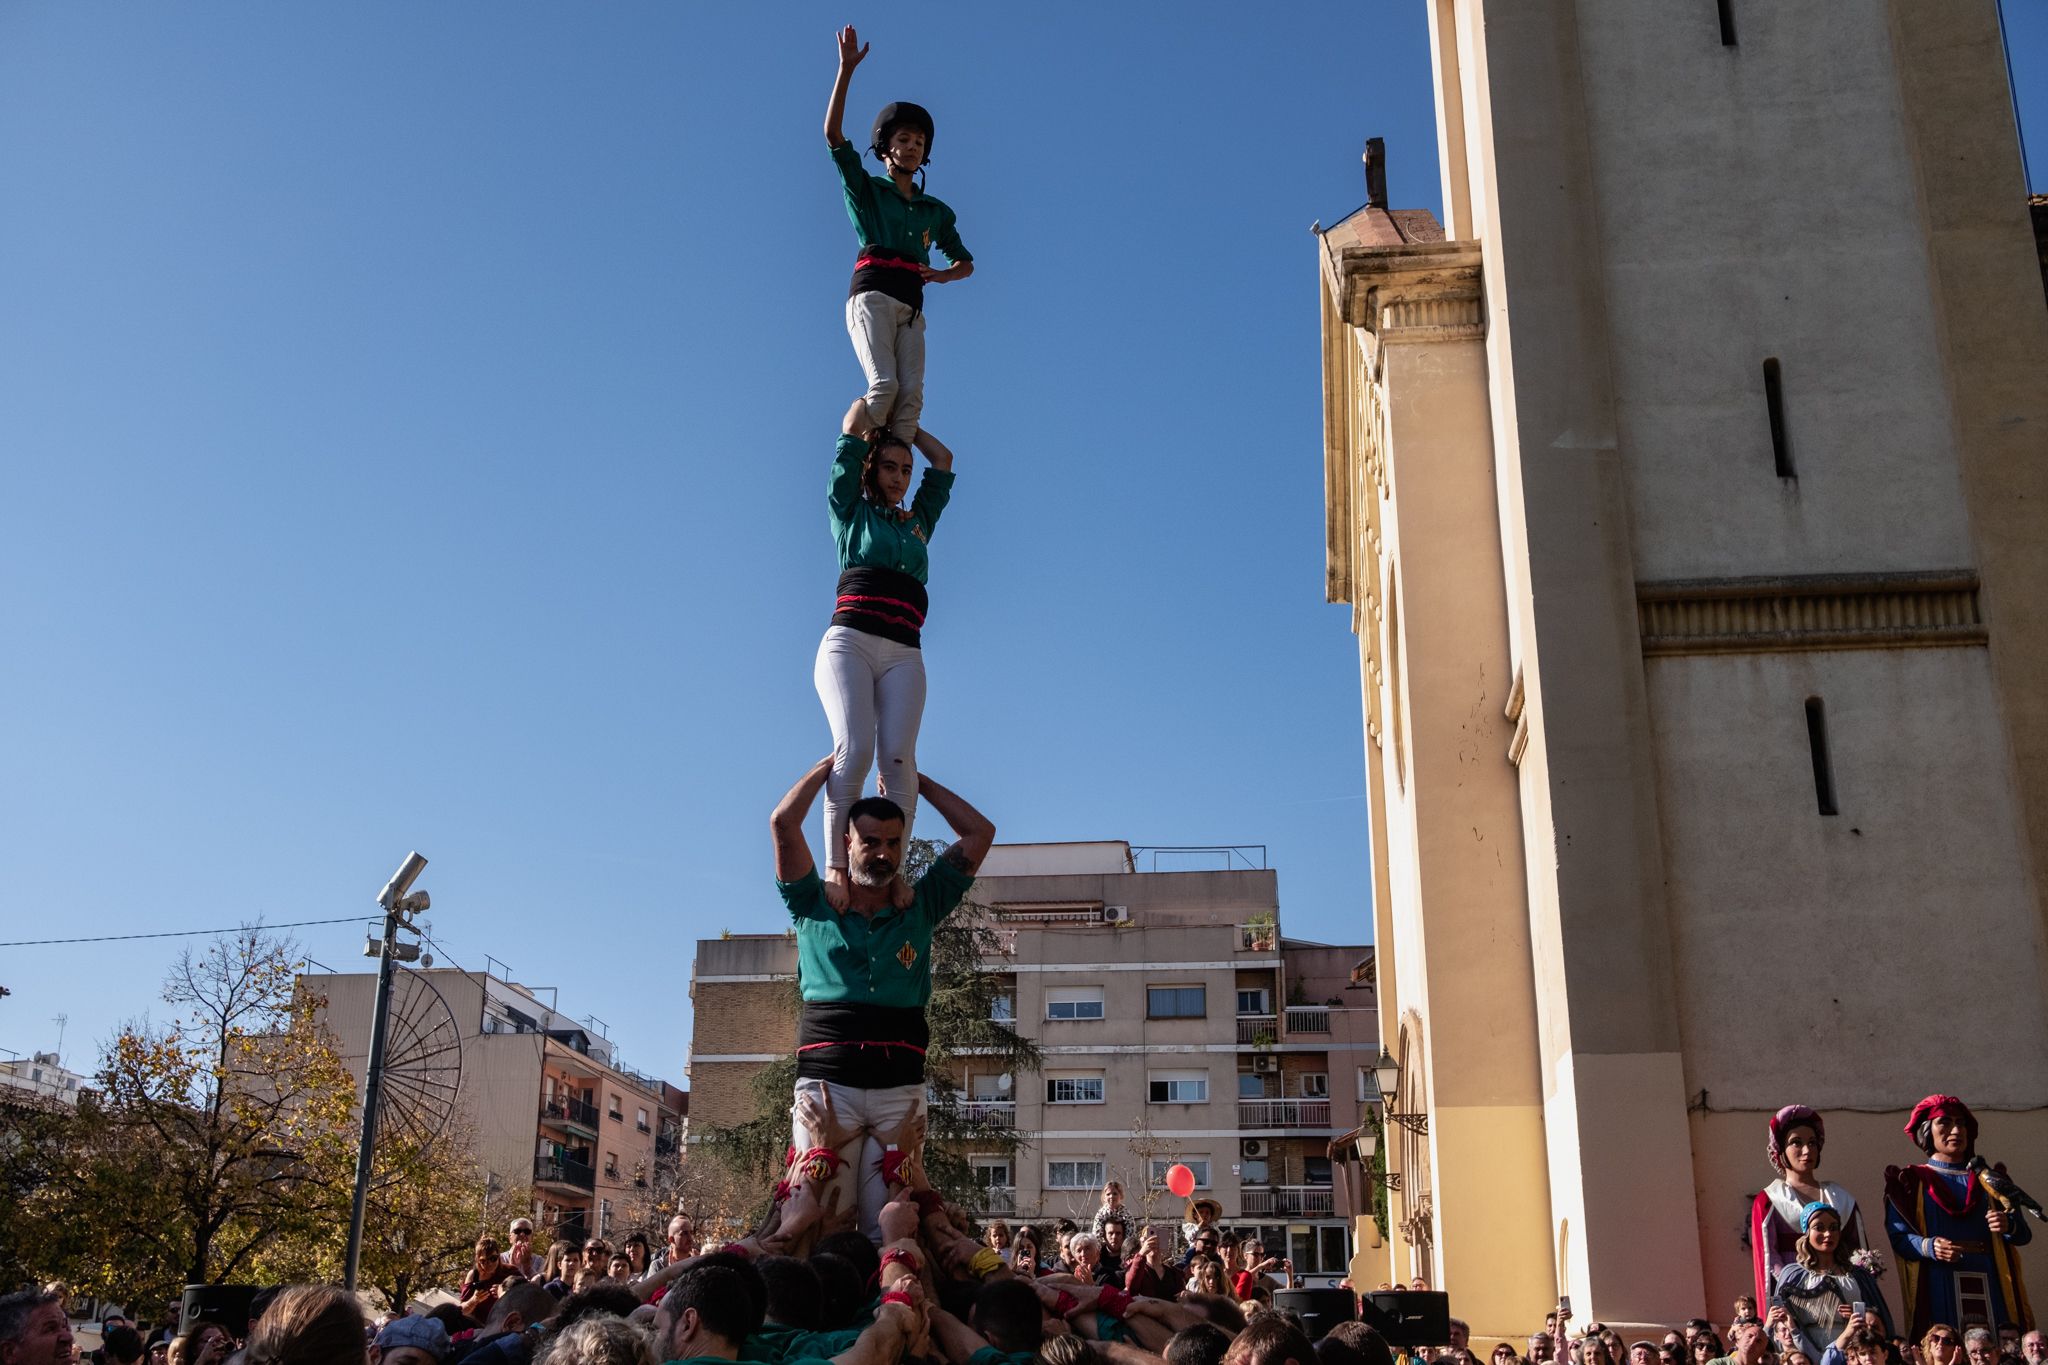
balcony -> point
(570, 1113)
(666, 1145)
(1308, 1019)
(576, 1174)
(1289, 1201)
(1257, 938)
(1257, 1030)
(999, 1200)
(989, 1113)
(1259, 1114)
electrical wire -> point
(179, 933)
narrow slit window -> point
(1774, 400)
(1727, 8)
(1823, 766)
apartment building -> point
(1178, 1024)
(43, 1075)
(552, 1104)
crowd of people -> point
(807, 1287)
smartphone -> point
(1857, 1309)
(1564, 1305)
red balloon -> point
(1180, 1180)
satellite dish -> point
(1003, 1082)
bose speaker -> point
(1409, 1317)
(1318, 1309)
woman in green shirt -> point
(870, 668)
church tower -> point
(1689, 487)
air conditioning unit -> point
(1265, 1066)
(1252, 1149)
(1116, 914)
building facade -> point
(1689, 493)
(551, 1104)
(44, 1076)
(1178, 1025)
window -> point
(1250, 1087)
(1198, 1164)
(988, 1085)
(1315, 1085)
(1176, 1002)
(1315, 1170)
(1178, 1087)
(1774, 407)
(1823, 765)
(611, 1165)
(1075, 1173)
(1074, 1088)
(990, 1173)
(1253, 1172)
(1258, 1001)
(615, 1111)
(1002, 1008)
(604, 1217)
(640, 1122)
(1073, 1002)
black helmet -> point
(893, 115)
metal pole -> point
(373, 1078)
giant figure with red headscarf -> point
(1954, 1243)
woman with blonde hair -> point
(310, 1324)
(600, 1339)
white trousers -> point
(881, 1110)
(888, 336)
(873, 690)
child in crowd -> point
(897, 224)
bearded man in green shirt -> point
(865, 974)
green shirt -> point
(882, 217)
(869, 537)
(775, 1344)
(883, 960)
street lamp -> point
(399, 903)
(1366, 1138)
(1386, 1074)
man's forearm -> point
(786, 825)
(976, 830)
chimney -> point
(1376, 172)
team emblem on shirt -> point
(907, 955)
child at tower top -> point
(898, 224)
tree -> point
(960, 1017)
(214, 1142)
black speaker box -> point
(1318, 1309)
(1409, 1317)
(226, 1304)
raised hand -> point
(851, 49)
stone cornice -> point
(1927, 609)
(1417, 291)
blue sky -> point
(416, 422)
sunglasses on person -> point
(1941, 1340)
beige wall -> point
(1840, 191)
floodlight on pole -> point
(398, 901)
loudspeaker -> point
(1318, 1309)
(226, 1304)
(1409, 1317)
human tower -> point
(863, 931)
